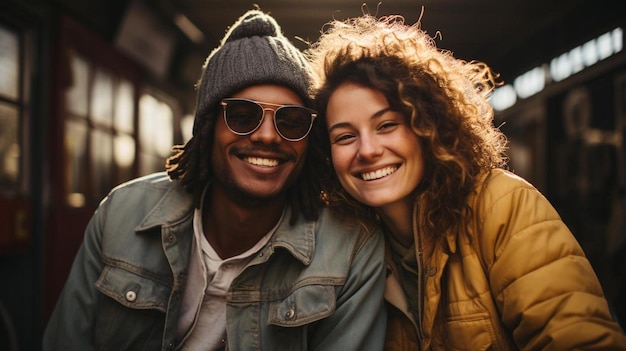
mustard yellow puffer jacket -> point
(516, 279)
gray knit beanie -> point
(254, 51)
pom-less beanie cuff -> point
(254, 51)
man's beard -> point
(223, 178)
(245, 198)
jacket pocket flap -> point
(305, 305)
(133, 290)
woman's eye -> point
(343, 138)
(387, 125)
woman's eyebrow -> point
(381, 112)
(373, 116)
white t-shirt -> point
(203, 312)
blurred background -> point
(93, 93)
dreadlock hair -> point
(254, 51)
(191, 165)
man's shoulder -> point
(148, 189)
(147, 201)
(158, 180)
(333, 239)
(345, 226)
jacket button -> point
(290, 313)
(131, 296)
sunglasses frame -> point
(225, 102)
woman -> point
(478, 259)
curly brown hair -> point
(444, 98)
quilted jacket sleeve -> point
(547, 293)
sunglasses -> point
(243, 117)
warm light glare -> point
(503, 97)
(76, 200)
(186, 127)
(530, 83)
(156, 122)
(559, 69)
(124, 150)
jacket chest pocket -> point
(132, 314)
(304, 305)
(133, 290)
(467, 325)
(291, 319)
(471, 332)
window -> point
(99, 131)
(156, 134)
(11, 107)
(114, 127)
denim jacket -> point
(315, 285)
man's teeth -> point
(379, 173)
(267, 162)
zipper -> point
(420, 275)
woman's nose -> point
(369, 148)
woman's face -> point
(376, 155)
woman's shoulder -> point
(503, 186)
(502, 181)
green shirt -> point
(406, 263)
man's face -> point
(259, 166)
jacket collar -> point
(176, 205)
(451, 240)
(449, 235)
(173, 207)
(298, 239)
(394, 294)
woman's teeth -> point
(379, 173)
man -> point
(232, 248)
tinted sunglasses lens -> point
(293, 122)
(242, 116)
